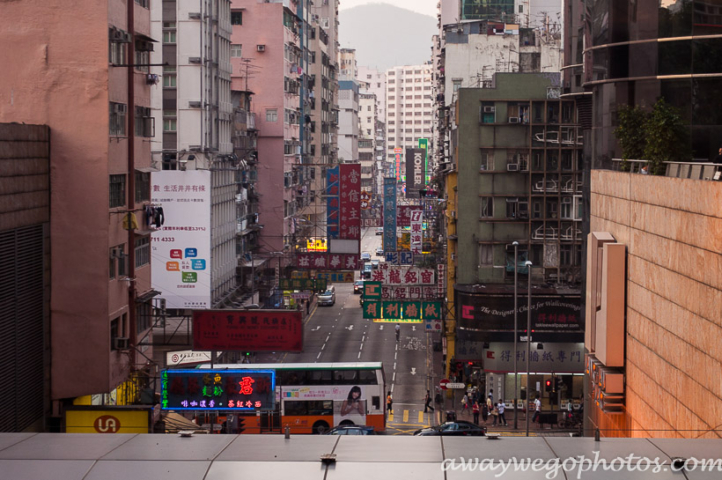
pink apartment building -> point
(268, 60)
(66, 65)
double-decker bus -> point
(314, 397)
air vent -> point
(261, 48)
(194, 15)
(194, 104)
(194, 60)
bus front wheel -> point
(319, 428)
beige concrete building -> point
(658, 375)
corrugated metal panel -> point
(21, 327)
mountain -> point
(385, 36)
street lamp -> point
(516, 369)
(528, 346)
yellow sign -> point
(107, 421)
(402, 320)
(316, 245)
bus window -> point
(320, 407)
(376, 402)
(295, 408)
(368, 377)
(346, 377)
(292, 377)
(320, 377)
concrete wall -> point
(673, 232)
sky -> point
(426, 7)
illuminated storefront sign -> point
(218, 389)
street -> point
(339, 333)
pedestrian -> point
(398, 332)
(465, 403)
(475, 410)
(500, 408)
(427, 402)
(644, 170)
(438, 399)
(718, 158)
(489, 404)
(484, 412)
(491, 395)
(537, 409)
(495, 414)
(389, 403)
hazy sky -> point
(427, 7)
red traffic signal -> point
(548, 385)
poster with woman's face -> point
(350, 409)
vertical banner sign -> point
(350, 201)
(397, 163)
(441, 279)
(424, 145)
(389, 214)
(417, 235)
(415, 172)
(181, 247)
(332, 202)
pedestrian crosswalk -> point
(407, 417)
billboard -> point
(328, 261)
(417, 234)
(495, 313)
(404, 213)
(350, 201)
(332, 202)
(248, 330)
(555, 357)
(241, 390)
(90, 419)
(181, 248)
(415, 172)
(424, 144)
(350, 402)
(389, 214)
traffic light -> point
(548, 385)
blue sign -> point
(392, 258)
(390, 214)
(406, 258)
(191, 252)
(332, 202)
(198, 264)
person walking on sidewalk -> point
(465, 403)
(475, 411)
(427, 402)
(398, 332)
(500, 407)
(389, 403)
(484, 412)
(537, 409)
(495, 414)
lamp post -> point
(528, 345)
(516, 333)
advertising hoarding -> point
(424, 145)
(390, 215)
(328, 261)
(332, 202)
(89, 419)
(241, 390)
(415, 172)
(404, 213)
(350, 201)
(181, 247)
(248, 330)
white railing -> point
(690, 170)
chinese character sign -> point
(390, 215)
(218, 389)
(248, 330)
(327, 261)
(417, 235)
(332, 201)
(350, 201)
(180, 245)
(403, 276)
(403, 218)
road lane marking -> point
(406, 416)
(319, 354)
(394, 365)
(362, 346)
(393, 379)
(322, 347)
(391, 417)
(421, 417)
(359, 355)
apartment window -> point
(236, 18)
(392, 89)
(409, 89)
(142, 186)
(111, 263)
(392, 73)
(272, 115)
(143, 3)
(486, 255)
(487, 161)
(409, 139)
(457, 84)
(144, 122)
(117, 118)
(391, 139)
(143, 316)
(142, 55)
(169, 36)
(236, 50)
(169, 77)
(142, 251)
(117, 191)
(391, 82)
(122, 260)
(170, 125)
(486, 207)
(392, 98)
(114, 325)
(117, 50)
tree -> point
(630, 132)
(666, 137)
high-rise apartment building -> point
(90, 65)
(367, 139)
(347, 63)
(272, 39)
(192, 102)
(409, 110)
(348, 121)
(373, 81)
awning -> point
(147, 169)
(147, 296)
(257, 262)
(175, 423)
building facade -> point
(409, 111)
(367, 140)
(348, 121)
(100, 176)
(273, 41)
(348, 64)
(519, 180)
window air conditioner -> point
(513, 119)
(260, 48)
(121, 343)
(512, 167)
(121, 108)
(194, 60)
(194, 104)
(489, 109)
(194, 15)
